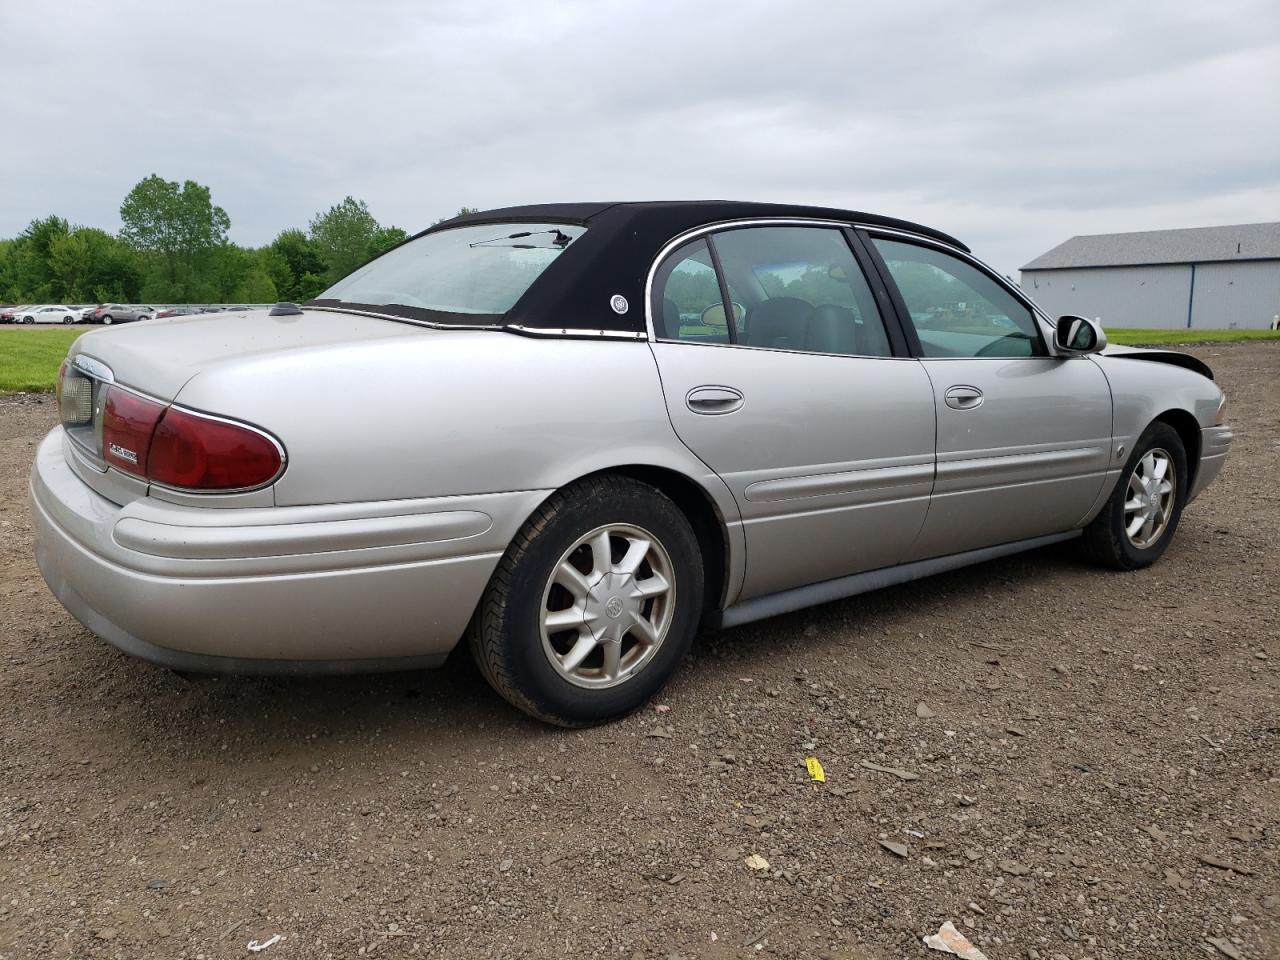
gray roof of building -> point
(1245, 241)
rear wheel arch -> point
(702, 513)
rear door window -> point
(687, 302)
(800, 289)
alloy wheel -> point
(1151, 494)
(607, 606)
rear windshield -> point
(467, 274)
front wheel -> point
(1142, 513)
(594, 604)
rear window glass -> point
(479, 271)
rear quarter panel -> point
(453, 413)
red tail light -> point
(164, 444)
(128, 422)
(196, 452)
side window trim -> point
(903, 343)
(654, 305)
(900, 312)
(726, 301)
(900, 335)
(900, 304)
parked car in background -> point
(176, 312)
(88, 313)
(110, 313)
(10, 314)
(48, 313)
(596, 428)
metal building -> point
(1212, 278)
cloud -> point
(1010, 125)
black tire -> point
(1106, 541)
(506, 636)
(107, 319)
(68, 320)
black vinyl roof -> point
(575, 292)
(687, 213)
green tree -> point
(295, 266)
(179, 226)
(462, 212)
(385, 239)
(344, 236)
(31, 276)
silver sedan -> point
(576, 434)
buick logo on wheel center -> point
(613, 608)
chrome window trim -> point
(572, 333)
(492, 327)
(672, 245)
(1015, 291)
(408, 320)
(869, 228)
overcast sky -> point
(1008, 125)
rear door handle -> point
(963, 397)
(713, 401)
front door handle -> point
(964, 397)
(713, 401)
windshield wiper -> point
(561, 240)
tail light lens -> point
(163, 444)
(202, 453)
(128, 422)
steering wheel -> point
(999, 347)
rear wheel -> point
(1142, 513)
(594, 604)
(108, 320)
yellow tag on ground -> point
(816, 773)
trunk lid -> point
(158, 357)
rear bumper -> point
(333, 588)
(1214, 444)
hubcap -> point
(1150, 498)
(607, 606)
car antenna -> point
(562, 239)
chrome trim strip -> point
(573, 333)
(411, 322)
(493, 327)
(95, 369)
(812, 594)
(846, 481)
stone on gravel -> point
(896, 771)
(894, 847)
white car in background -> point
(48, 313)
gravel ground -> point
(1091, 768)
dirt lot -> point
(1095, 772)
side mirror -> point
(1078, 336)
